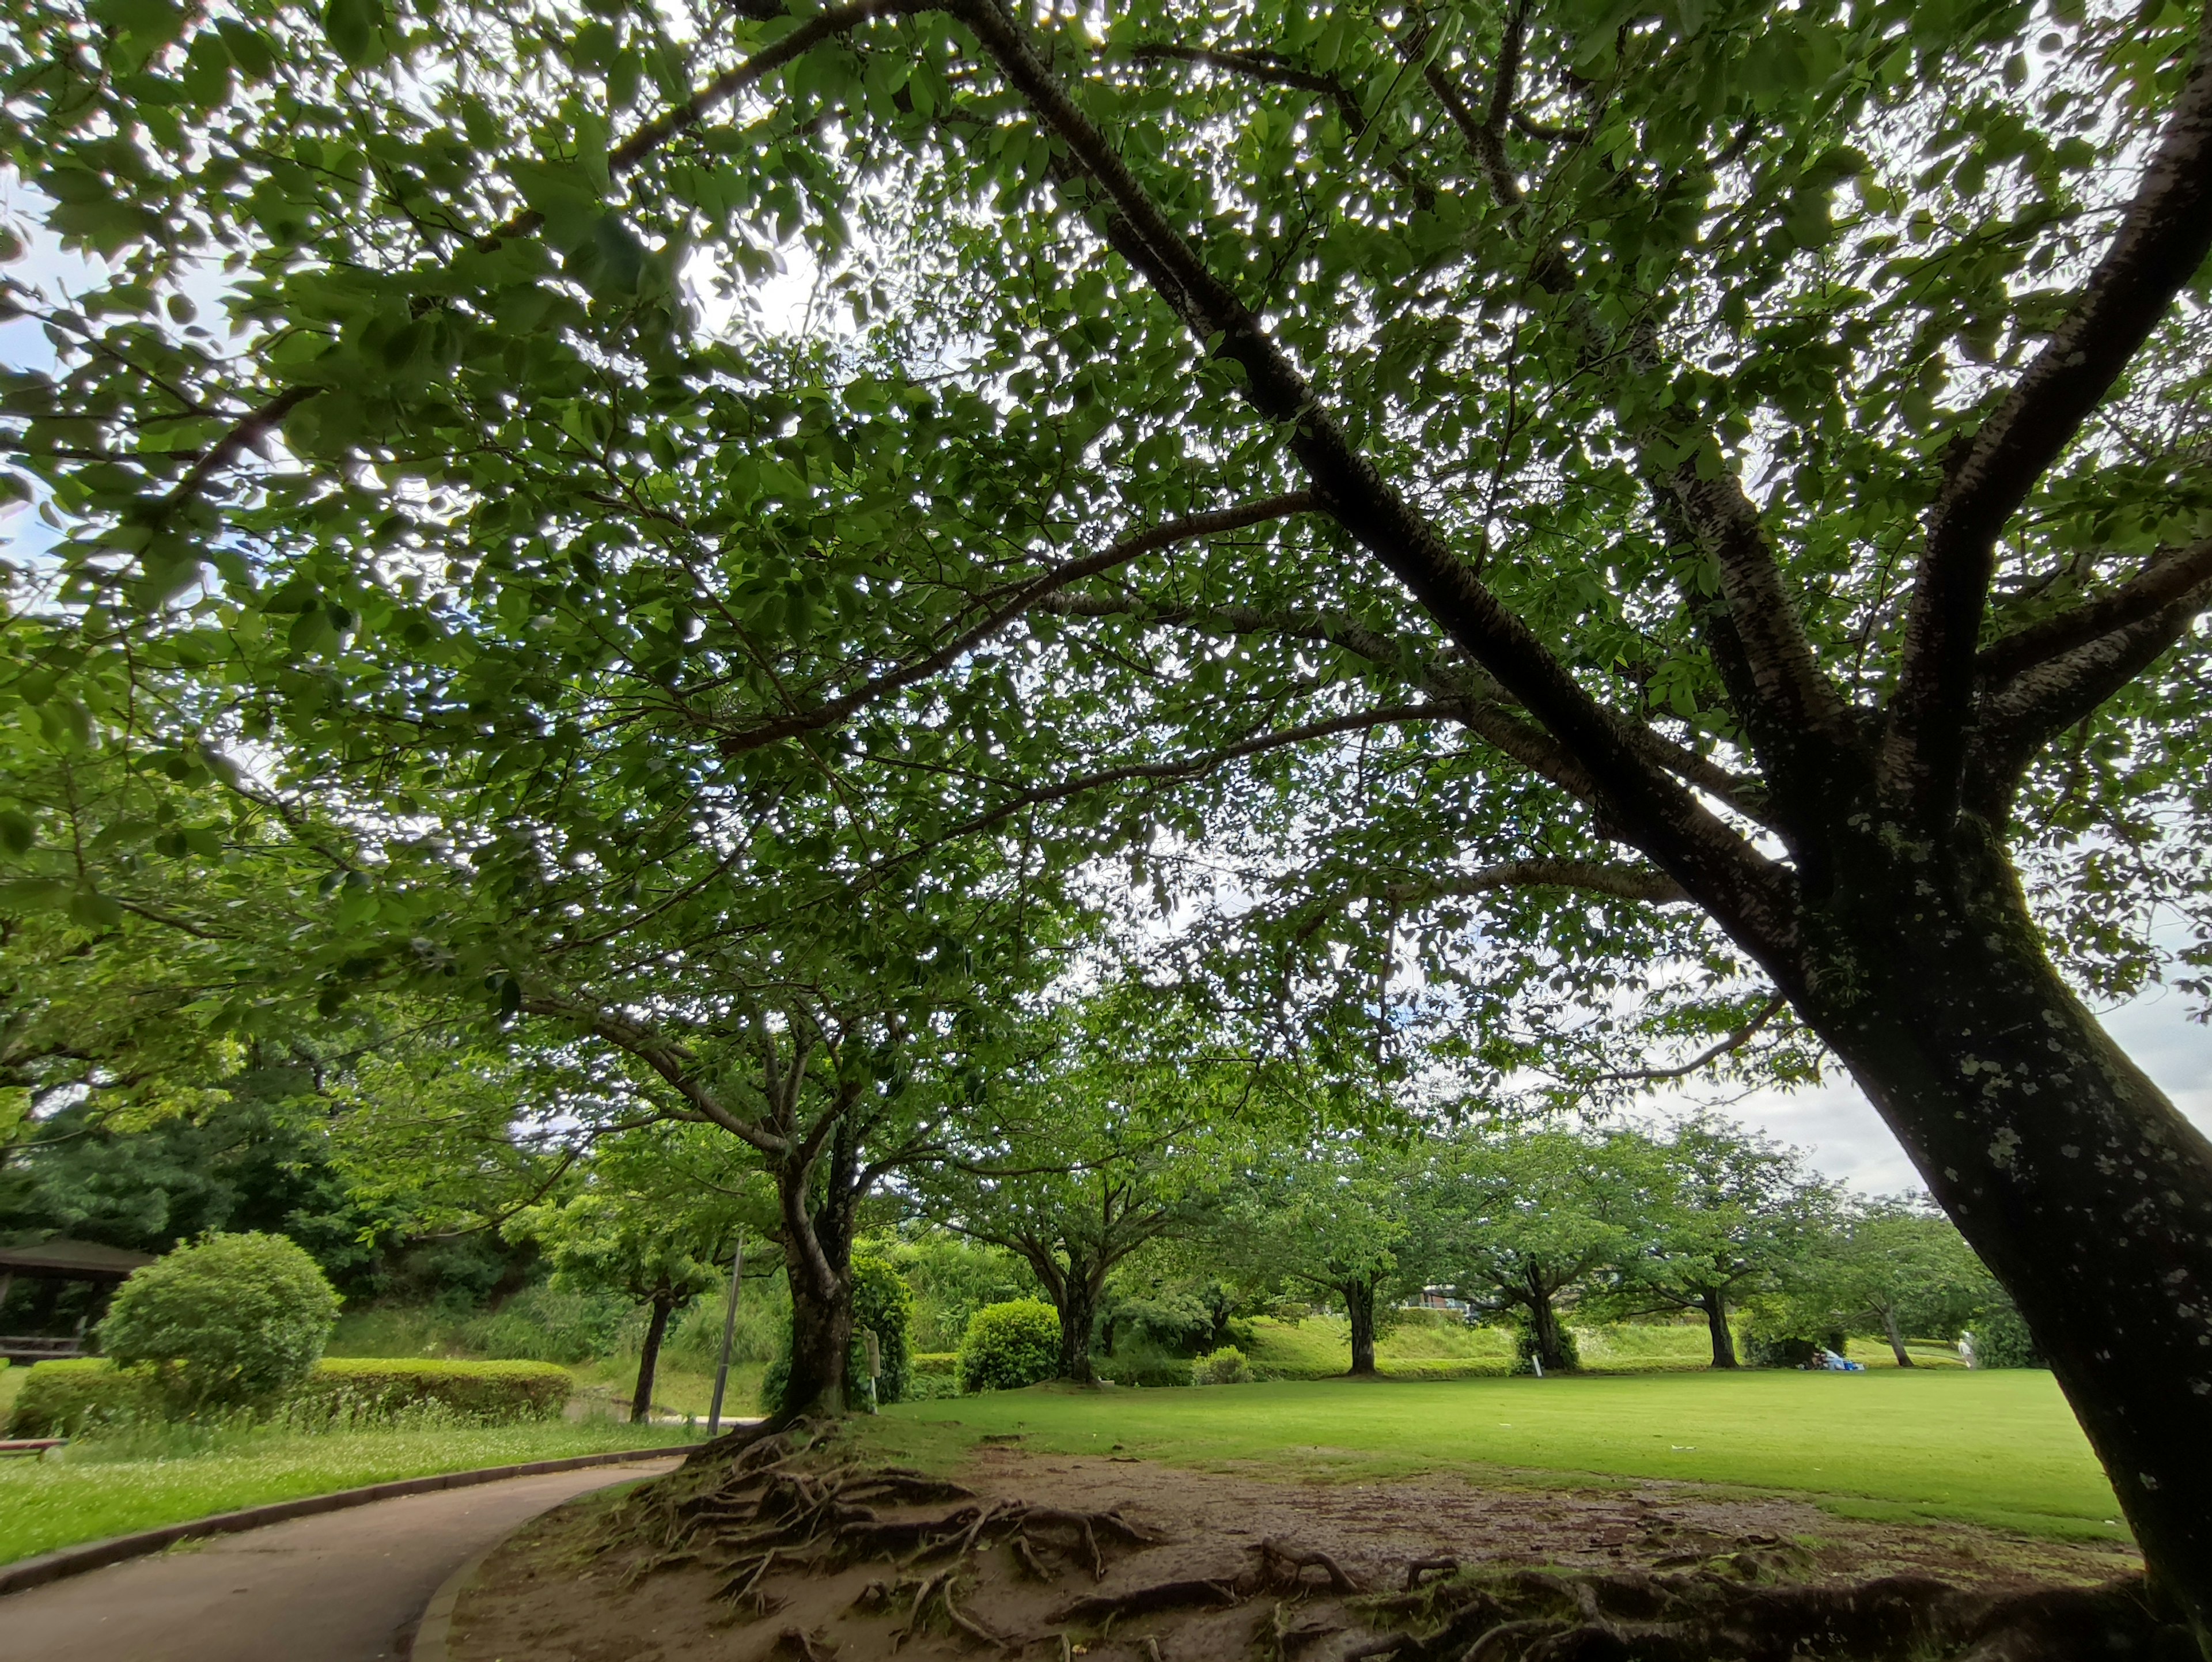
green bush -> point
(2001, 1339)
(229, 1320)
(927, 1364)
(68, 1398)
(485, 1393)
(1010, 1345)
(1223, 1367)
(884, 1304)
(1770, 1343)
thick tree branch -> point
(816, 717)
(2164, 237)
(673, 1061)
(2040, 703)
(1596, 877)
(1652, 807)
(2171, 575)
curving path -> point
(347, 1586)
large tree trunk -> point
(1544, 1326)
(1359, 1306)
(2086, 1193)
(1079, 1314)
(648, 1358)
(817, 1250)
(1896, 1339)
(1714, 1303)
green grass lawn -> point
(86, 1495)
(2000, 1448)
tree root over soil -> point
(1533, 1616)
(779, 1521)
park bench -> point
(30, 1445)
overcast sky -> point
(1846, 1139)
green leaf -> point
(354, 29)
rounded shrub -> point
(228, 1320)
(2001, 1339)
(1010, 1345)
(1226, 1366)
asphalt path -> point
(347, 1587)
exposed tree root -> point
(1161, 1596)
(1291, 1564)
(793, 1642)
(1537, 1617)
(1421, 1566)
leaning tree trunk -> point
(1714, 1303)
(2069, 1172)
(648, 1358)
(1359, 1306)
(1896, 1337)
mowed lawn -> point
(82, 1496)
(2000, 1448)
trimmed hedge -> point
(489, 1393)
(933, 1362)
(66, 1398)
(62, 1399)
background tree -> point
(1350, 1216)
(1732, 1213)
(1109, 1140)
(1529, 1217)
(1899, 1268)
(636, 1227)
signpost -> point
(729, 1331)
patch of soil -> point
(785, 1555)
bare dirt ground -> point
(795, 1558)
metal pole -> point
(729, 1331)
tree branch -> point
(2171, 575)
(2164, 237)
(674, 1062)
(1736, 1040)
(1622, 882)
(819, 716)
(2041, 701)
(1745, 890)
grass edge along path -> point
(2000, 1449)
(48, 1504)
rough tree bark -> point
(815, 1213)
(2071, 1174)
(1714, 1303)
(1359, 1308)
(648, 1358)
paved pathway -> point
(347, 1587)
